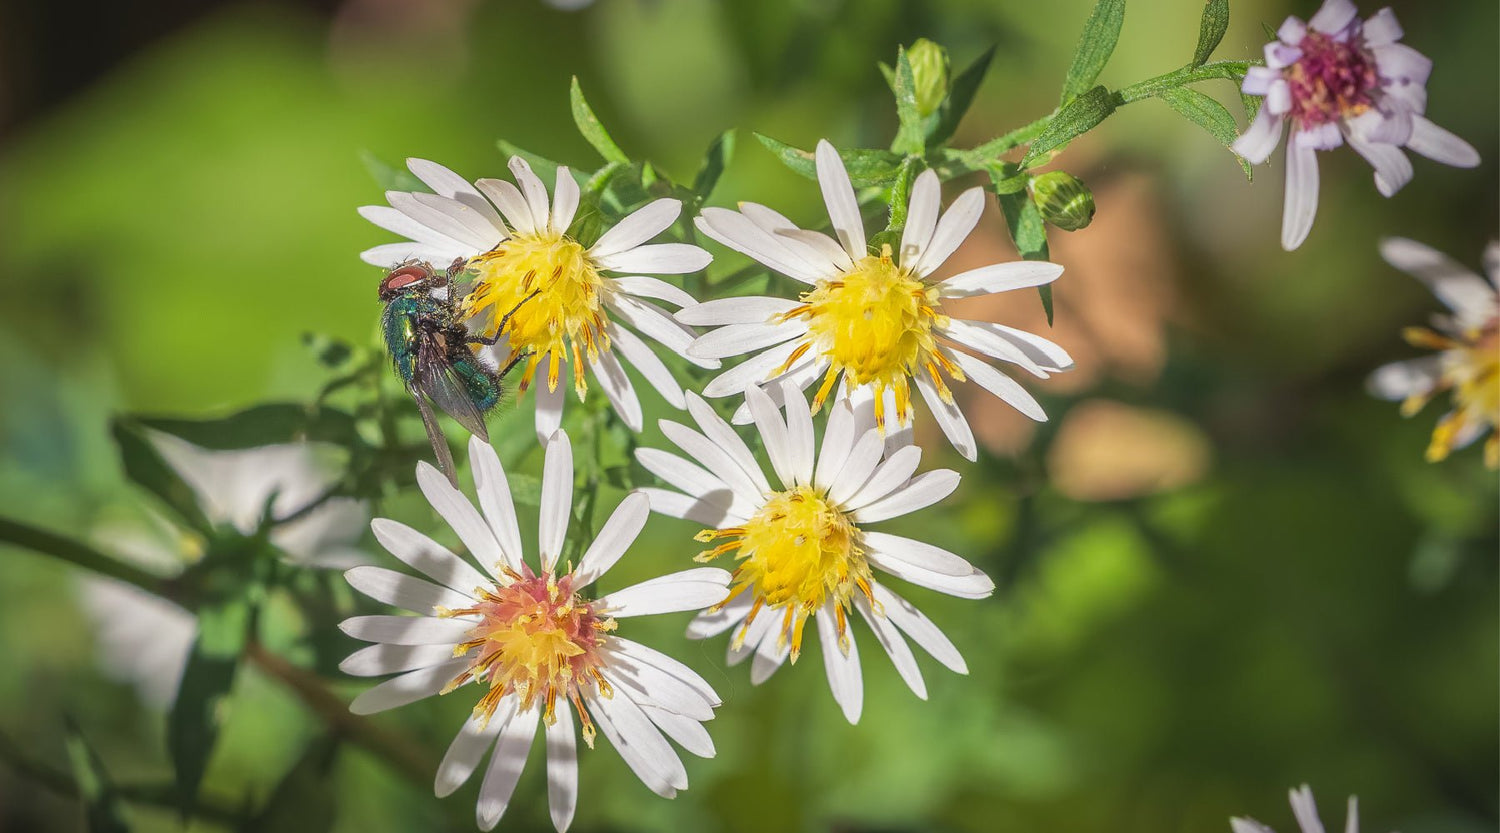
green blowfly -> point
(433, 352)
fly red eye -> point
(405, 276)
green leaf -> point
(1079, 116)
(867, 166)
(333, 353)
(1211, 30)
(889, 72)
(960, 99)
(1027, 228)
(193, 725)
(104, 811)
(389, 177)
(900, 201)
(543, 167)
(304, 800)
(270, 424)
(145, 467)
(1207, 114)
(591, 128)
(909, 137)
(720, 152)
(1095, 45)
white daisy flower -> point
(875, 321)
(541, 650)
(573, 312)
(1468, 341)
(1336, 78)
(144, 640)
(1306, 812)
(803, 548)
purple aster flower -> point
(1337, 78)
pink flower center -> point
(1332, 80)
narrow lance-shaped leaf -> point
(104, 812)
(1207, 114)
(1079, 116)
(193, 725)
(867, 166)
(145, 467)
(720, 152)
(960, 98)
(591, 128)
(909, 136)
(1211, 30)
(1095, 45)
(389, 177)
(1027, 228)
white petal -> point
(952, 230)
(843, 669)
(1382, 28)
(713, 458)
(895, 646)
(896, 471)
(407, 688)
(483, 231)
(716, 429)
(1468, 295)
(534, 191)
(654, 322)
(1333, 16)
(618, 388)
(975, 585)
(1305, 809)
(920, 492)
(557, 499)
(445, 182)
(1042, 352)
(1439, 145)
(407, 630)
(1392, 168)
(647, 684)
(461, 516)
(950, 419)
(1301, 194)
(984, 338)
(1260, 139)
(1413, 377)
(384, 658)
(921, 629)
(921, 218)
(799, 433)
(691, 479)
(838, 439)
(757, 369)
(427, 556)
(644, 360)
(918, 554)
(773, 431)
(688, 590)
(999, 277)
(714, 622)
(1244, 825)
(688, 732)
(992, 380)
(508, 198)
(468, 747)
(617, 534)
(549, 407)
(736, 339)
(640, 743)
(741, 234)
(564, 200)
(838, 195)
(657, 258)
(649, 287)
(403, 591)
(703, 510)
(426, 212)
(641, 225)
(391, 255)
(863, 458)
(641, 654)
(751, 309)
(495, 500)
(752, 633)
(814, 250)
(394, 221)
(562, 766)
(506, 763)
(770, 653)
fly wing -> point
(437, 380)
(435, 436)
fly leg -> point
(500, 328)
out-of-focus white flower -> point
(803, 550)
(539, 648)
(874, 322)
(1336, 78)
(1306, 812)
(1468, 341)
(572, 311)
(144, 640)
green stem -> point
(80, 555)
(976, 157)
(1233, 70)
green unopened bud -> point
(929, 72)
(1063, 200)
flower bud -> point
(929, 70)
(1063, 199)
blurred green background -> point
(1224, 570)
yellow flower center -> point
(1471, 370)
(537, 638)
(874, 324)
(797, 553)
(550, 288)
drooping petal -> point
(506, 763)
(562, 765)
(1301, 194)
(919, 628)
(842, 668)
(468, 748)
(997, 383)
(617, 388)
(950, 419)
(889, 637)
(644, 360)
